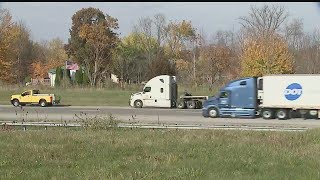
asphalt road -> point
(143, 115)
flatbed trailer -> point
(191, 102)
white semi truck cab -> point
(160, 91)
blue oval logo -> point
(293, 91)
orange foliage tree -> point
(39, 70)
(50, 56)
(7, 35)
(266, 55)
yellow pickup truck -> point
(34, 97)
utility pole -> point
(194, 58)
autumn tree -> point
(21, 52)
(266, 56)
(56, 55)
(214, 62)
(39, 70)
(264, 51)
(47, 55)
(179, 37)
(228, 39)
(5, 42)
(15, 48)
(92, 40)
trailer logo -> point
(293, 91)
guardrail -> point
(158, 126)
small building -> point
(114, 78)
(72, 67)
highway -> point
(9, 113)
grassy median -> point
(90, 96)
(159, 154)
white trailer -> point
(161, 91)
(280, 95)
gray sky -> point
(48, 20)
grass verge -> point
(159, 154)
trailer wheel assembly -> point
(282, 114)
(267, 114)
(191, 104)
(181, 104)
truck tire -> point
(213, 112)
(138, 104)
(191, 104)
(173, 104)
(198, 104)
(181, 104)
(267, 114)
(282, 114)
(15, 103)
(43, 103)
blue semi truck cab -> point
(237, 99)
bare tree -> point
(308, 56)
(293, 33)
(265, 20)
(144, 27)
(160, 25)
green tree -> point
(59, 76)
(92, 41)
(79, 76)
(129, 60)
(85, 79)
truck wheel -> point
(267, 114)
(191, 104)
(43, 103)
(199, 105)
(138, 104)
(173, 104)
(282, 114)
(181, 104)
(15, 103)
(213, 112)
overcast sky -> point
(48, 20)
